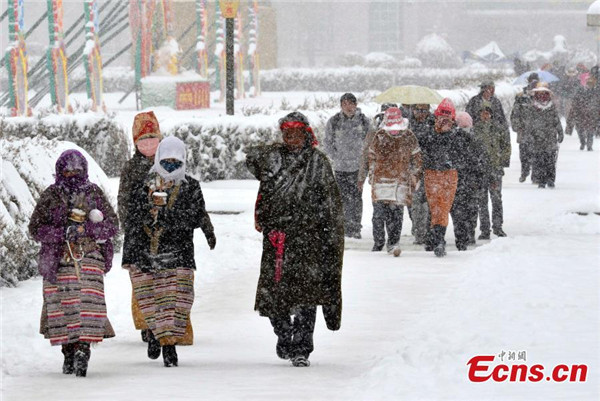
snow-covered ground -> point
(409, 327)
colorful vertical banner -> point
(16, 60)
(201, 33)
(56, 60)
(239, 58)
(253, 60)
(91, 54)
(220, 54)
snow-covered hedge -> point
(100, 135)
(216, 146)
(27, 170)
(363, 78)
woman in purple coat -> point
(74, 223)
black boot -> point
(82, 357)
(153, 346)
(68, 351)
(440, 247)
(283, 348)
(169, 356)
(145, 335)
(430, 240)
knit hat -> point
(464, 120)
(393, 122)
(296, 119)
(446, 108)
(145, 125)
(533, 77)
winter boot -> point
(430, 240)
(499, 232)
(82, 357)
(440, 247)
(145, 335)
(377, 248)
(283, 348)
(169, 356)
(484, 235)
(300, 361)
(68, 351)
(153, 346)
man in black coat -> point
(299, 211)
(486, 97)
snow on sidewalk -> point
(409, 327)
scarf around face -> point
(170, 148)
(72, 160)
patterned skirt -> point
(74, 308)
(165, 298)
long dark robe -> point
(299, 197)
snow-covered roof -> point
(490, 52)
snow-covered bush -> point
(350, 59)
(383, 60)
(434, 51)
(27, 170)
(216, 146)
(359, 79)
(100, 135)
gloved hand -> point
(211, 240)
(560, 139)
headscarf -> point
(298, 120)
(71, 160)
(170, 148)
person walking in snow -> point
(74, 222)
(345, 135)
(146, 137)
(519, 117)
(495, 145)
(159, 248)
(547, 133)
(469, 167)
(487, 97)
(421, 121)
(442, 151)
(299, 212)
(394, 169)
(584, 114)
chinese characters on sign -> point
(192, 95)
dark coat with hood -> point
(298, 198)
(173, 229)
(49, 221)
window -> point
(384, 27)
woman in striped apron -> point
(74, 223)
